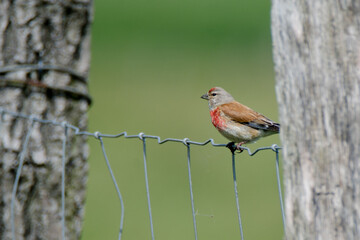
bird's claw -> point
(238, 147)
(233, 147)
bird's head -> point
(217, 96)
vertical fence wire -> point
(279, 188)
(191, 190)
(63, 228)
(237, 196)
(1, 119)
(18, 174)
(97, 135)
(141, 136)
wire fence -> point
(143, 137)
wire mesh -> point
(141, 136)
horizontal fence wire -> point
(141, 136)
(41, 68)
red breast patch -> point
(216, 119)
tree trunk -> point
(317, 59)
(55, 35)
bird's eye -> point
(213, 94)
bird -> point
(235, 121)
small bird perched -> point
(238, 123)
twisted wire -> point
(141, 136)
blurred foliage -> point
(151, 62)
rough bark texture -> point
(317, 62)
(55, 33)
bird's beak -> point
(205, 96)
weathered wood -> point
(316, 47)
(50, 33)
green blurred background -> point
(151, 62)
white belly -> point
(236, 132)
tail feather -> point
(274, 127)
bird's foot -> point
(233, 147)
(238, 147)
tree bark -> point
(316, 47)
(43, 33)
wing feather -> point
(242, 114)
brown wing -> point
(245, 115)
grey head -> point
(217, 96)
